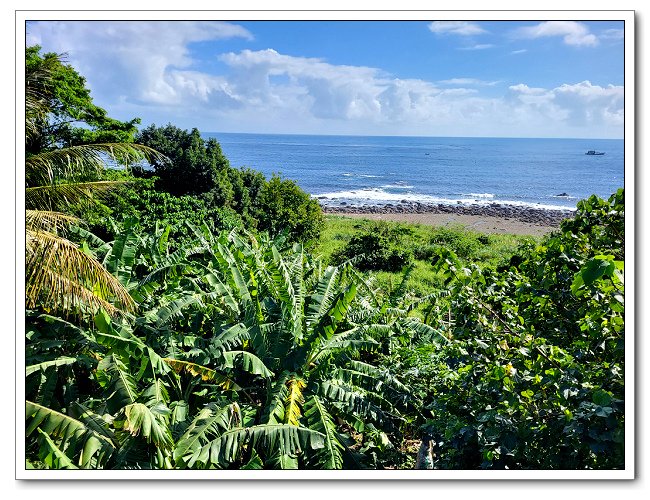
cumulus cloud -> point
(463, 28)
(146, 69)
(468, 81)
(612, 34)
(136, 55)
(573, 33)
(576, 105)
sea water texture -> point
(359, 170)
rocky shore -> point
(528, 215)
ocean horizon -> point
(379, 170)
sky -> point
(418, 78)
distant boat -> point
(591, 152)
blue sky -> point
(435, 78)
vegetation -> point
(202, 324)
(533, 377)
(66, 115)
(59, 275)
(199, 169)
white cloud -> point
(612, 34)
(468, 81)
(479, 46)
(463, 28)
(145, 69)
(577, 105)
(520, 51)
(573, 33)
(131, 54)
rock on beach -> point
(530, 215)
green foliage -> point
(533, 378)
(196, 167)
(378, 247)
(282, 207)
(140, 200)
(463, 243)
(74, 118)
(242, 354)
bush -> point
(282, 206)
(463, 243)
(142, 201)
(378, 247)
(533, 375)
(196, 166)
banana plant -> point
(245, 353)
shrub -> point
(533, 377)
(196, 166)
(282, 206)
(142, 201)
(378, 247)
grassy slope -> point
(471, 246)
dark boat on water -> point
(594, 153)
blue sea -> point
(355, 170)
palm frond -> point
(60, 276)
(294, 401)
(38, 92)
(120, 258)
(352, 399)
(82, 162)
(321, 300)
(211, 422)
(231, 337)
(52, 456)
(64, 360)
(73, 436)
(248, 362)
(150, 423)
(45, 220)
(113, 374)
(206, 374)
(63, 195)
(290, 439)
(276, 396)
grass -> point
(422, 240)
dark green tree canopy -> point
(73, 119)
(197, 166)
(283, 206)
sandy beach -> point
(494, 218)
(491, 225)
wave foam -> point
(367, 176)
(378, 197)
(397, 185)
(479, 195)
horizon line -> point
(418, 136)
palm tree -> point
(59, 275)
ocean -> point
(358, 170)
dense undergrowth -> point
(246, 352)
(219, 325)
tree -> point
(283, 207)
(59, 275)
(534, 375)
(72, 118)
(196, 166)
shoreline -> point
(492, 218)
